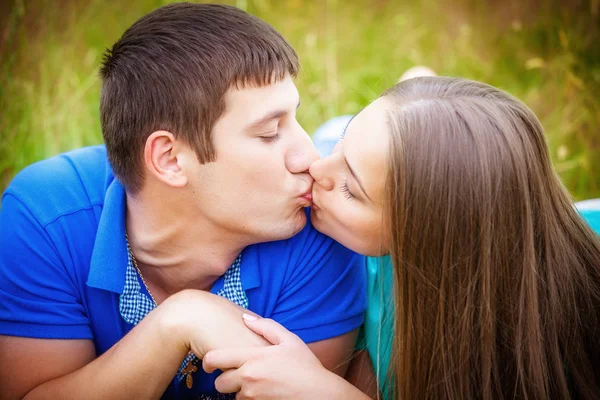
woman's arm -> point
(286, 370)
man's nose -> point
(302, 154)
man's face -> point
(256, 186)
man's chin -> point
(298, 223)
(291, 227)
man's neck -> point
(175, 251)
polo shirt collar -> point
(249, 270)
(108, 265)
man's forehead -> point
(255, 100)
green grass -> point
(545, 53)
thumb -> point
(270, 330)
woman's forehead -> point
(368, 131)
(365, 145)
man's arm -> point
(24, 362)
(362, 375)
(67, 369)
(46, 349)
(141, 365)
(40, 306)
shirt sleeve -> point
(324, 292)
(38, 297)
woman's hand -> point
(287, 370)
(205, 322)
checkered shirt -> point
(135, 305)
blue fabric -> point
(63, 265)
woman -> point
(495, 281)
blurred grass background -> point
(546, 52)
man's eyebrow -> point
(269, 117)
(356, 178)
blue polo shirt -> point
(65, 272)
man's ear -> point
(161, 159)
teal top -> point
(592, 217)
(378, 330)
(379, 321)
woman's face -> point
(349, 184)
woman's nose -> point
(321, 173)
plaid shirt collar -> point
(134, 305)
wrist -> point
(186, 320)
(333, 386)
(326, 381)
(173, 323)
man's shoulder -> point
(63, 184)
(309, 283)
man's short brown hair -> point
(170, 71)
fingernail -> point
(249, 317)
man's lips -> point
(307, 196)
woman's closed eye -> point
(346, 191)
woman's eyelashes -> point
(344, 188)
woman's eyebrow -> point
(346, 127)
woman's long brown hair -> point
(497, 277)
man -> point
(108, 255)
